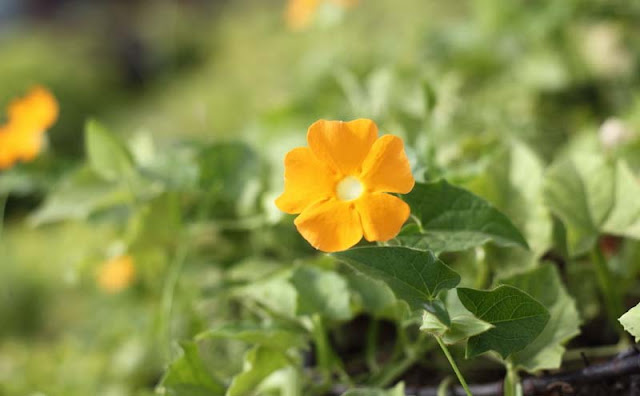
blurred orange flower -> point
(116, 274)
(339, 184)
(21, 137)
(300, 13)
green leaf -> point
(438, 310)
(78, 196)
(230, 175)
(188, 375)
(624, 218)
(454, 219)
(321, 292)
(517, 319)
(415, 276)
(513, 181)
(631, 322)
(107, 155)
(545, 352)
(397, 390)
(579, 191)
(270, 336)
(259, 363)
(462, 324)
(275, 293)
(593, 196)
(374, 296)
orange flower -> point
(339, 185)
(116, 274)
(21, 138)
(300, 13)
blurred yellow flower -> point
(116, 274)
(21, 137)
(300, 13)
(339, 184)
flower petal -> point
(7, 156)
(330, 226)
(300, 13)
(306, 181)
(342, 145)
(386, 168)
(382, 215)
(37, 111)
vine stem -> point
(611, 296)
(454, 366)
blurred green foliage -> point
(183, 167)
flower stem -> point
(454, 366)
(512, 386)
(612, 298)
(328, 360)
(168, 294)
(372, 345)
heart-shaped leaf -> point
(517, 319)
(415, 276)
(454, 219)
(545, 352)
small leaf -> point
(108, 156)
(455, 219)
(188, 375)
(415, 276)
(517, 317)
(462, 324)
(273, 337)
(437, 309)
(323, 292)
(545, 352)
(259, 363)
(631, 322)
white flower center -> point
(349, 188)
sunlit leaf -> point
(631, 322)
(624, 218)
(513, 181)
(107, 155)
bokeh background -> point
(461, 76)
